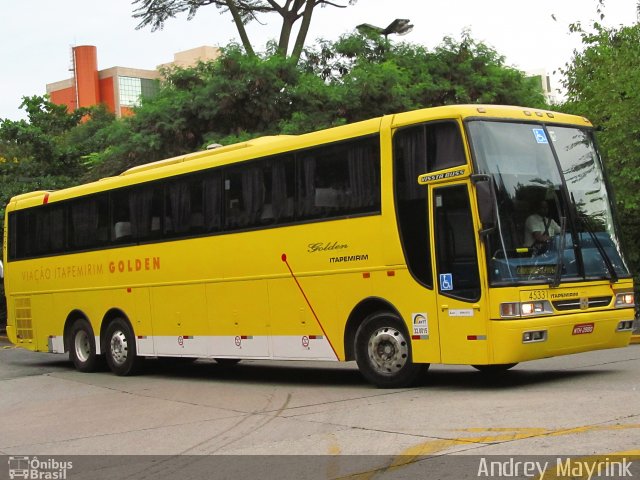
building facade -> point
(118, 88)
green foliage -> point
(241, 96)
(377, 77)
(602, 83)
(47, 151)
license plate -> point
(583, 328)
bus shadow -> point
(260, 373)
(464, 380)
(314, 374)
(456, 378)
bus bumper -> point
(530, 339)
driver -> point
(539, 227)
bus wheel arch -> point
(80, 342)
(119, 343)
(361, 311)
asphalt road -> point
(585, 405)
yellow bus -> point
(397, 242)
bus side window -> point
(120, 217)
(244, 196)
(339, 180)
(57, 224)
(213, 202)
(145, 210)
(421, 149)
(184, 206)
(279, 191)
(444, 146)
(89, 222)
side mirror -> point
(486, 195)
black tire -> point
(227, 362)
(82, 346)
(120, 348)
(494, 369)
(383, 351)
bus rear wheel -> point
(383, 351)
(120, 348)
(82, 346)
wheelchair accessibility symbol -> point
(446, 281)
(541, 137)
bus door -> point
(459, 297)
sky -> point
(38, 34)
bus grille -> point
(575, 304)
(24, 325)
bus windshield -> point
(554, 219)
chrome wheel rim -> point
(388, 350)
(82, 346)
(119, 347)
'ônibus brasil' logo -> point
(48, 469)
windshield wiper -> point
(613, 276)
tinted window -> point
(184, 206)
(421, 149)
(339, 180)
(213, 201)
(39, 231)
(89, 222)
(325, 182)
(455, 242)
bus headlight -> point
(525, 309)
(625, 300)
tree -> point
(602, 83)
(239, 96)
(377, 77)
(48, 150)
(156, 12)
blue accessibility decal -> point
(541, 137)
(446, 281)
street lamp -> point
(400, 26)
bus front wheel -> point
(383, 351)
(120, 348)
(82, 346)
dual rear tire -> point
(118, 345)
(82, 346)
(120, 348)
